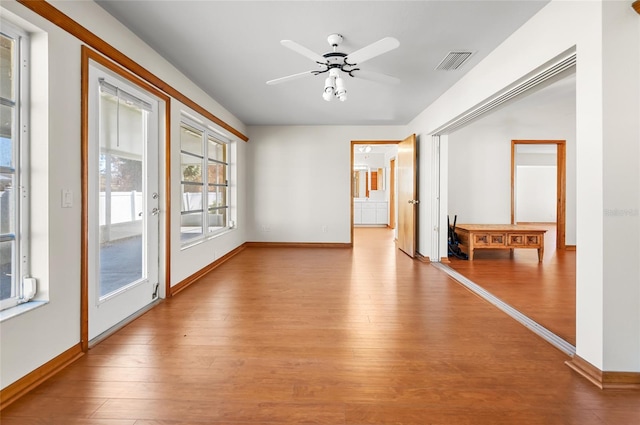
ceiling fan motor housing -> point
(334, 40)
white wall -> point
(31, 339)
(621, 186)
(535, 188)
(300, 180)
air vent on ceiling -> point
(453, 60)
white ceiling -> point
(231, 48)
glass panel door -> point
(123, 199)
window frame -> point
(207, 135)
(20, 160)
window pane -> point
(7, 203)
(7, 175)
(121, 224)
(7, 66)
(191, 140)
(125, 176)
(122, 126)
(217, 173)
(217, 150)
(7, 254)
(217, 219)
(190, 226)
(121, 186)
(191, 169)
(7, 125)
(217, 197)
(192, 197)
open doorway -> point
(479, 189)
(538, 184)
(374, 185)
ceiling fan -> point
(337, 63)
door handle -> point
(155, 211)
(413, 201)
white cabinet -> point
(357, 213)
(370, 212)
(381, 213)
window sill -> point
(201, 240)
(20, 309)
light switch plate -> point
(67, 198)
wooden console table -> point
(499, 236)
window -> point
(14, 225)
(204, 182)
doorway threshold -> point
(115, 328)
(529, 323)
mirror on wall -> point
(366, 179)
(360, 184)
(369, 170)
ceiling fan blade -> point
(303, 51)
(375, 76)
(372, 50)
(290, 77)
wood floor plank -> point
(66, 421)
(285, 336)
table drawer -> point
(516, 239)
(489, 239)
(480, 239)
(522, 239)
(497, 239)
(533, 240)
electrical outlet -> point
(325, 229)
(266, 228)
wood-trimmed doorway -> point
(392, 188)
(561, 192)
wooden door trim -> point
(353, 145)
(561, 185)
(392, 193)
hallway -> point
(327, 336)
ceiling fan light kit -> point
(337, 63)
(334, 86)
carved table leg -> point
(540, 254)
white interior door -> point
(123, 199)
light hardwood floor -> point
(545, 292)
(326, 336)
